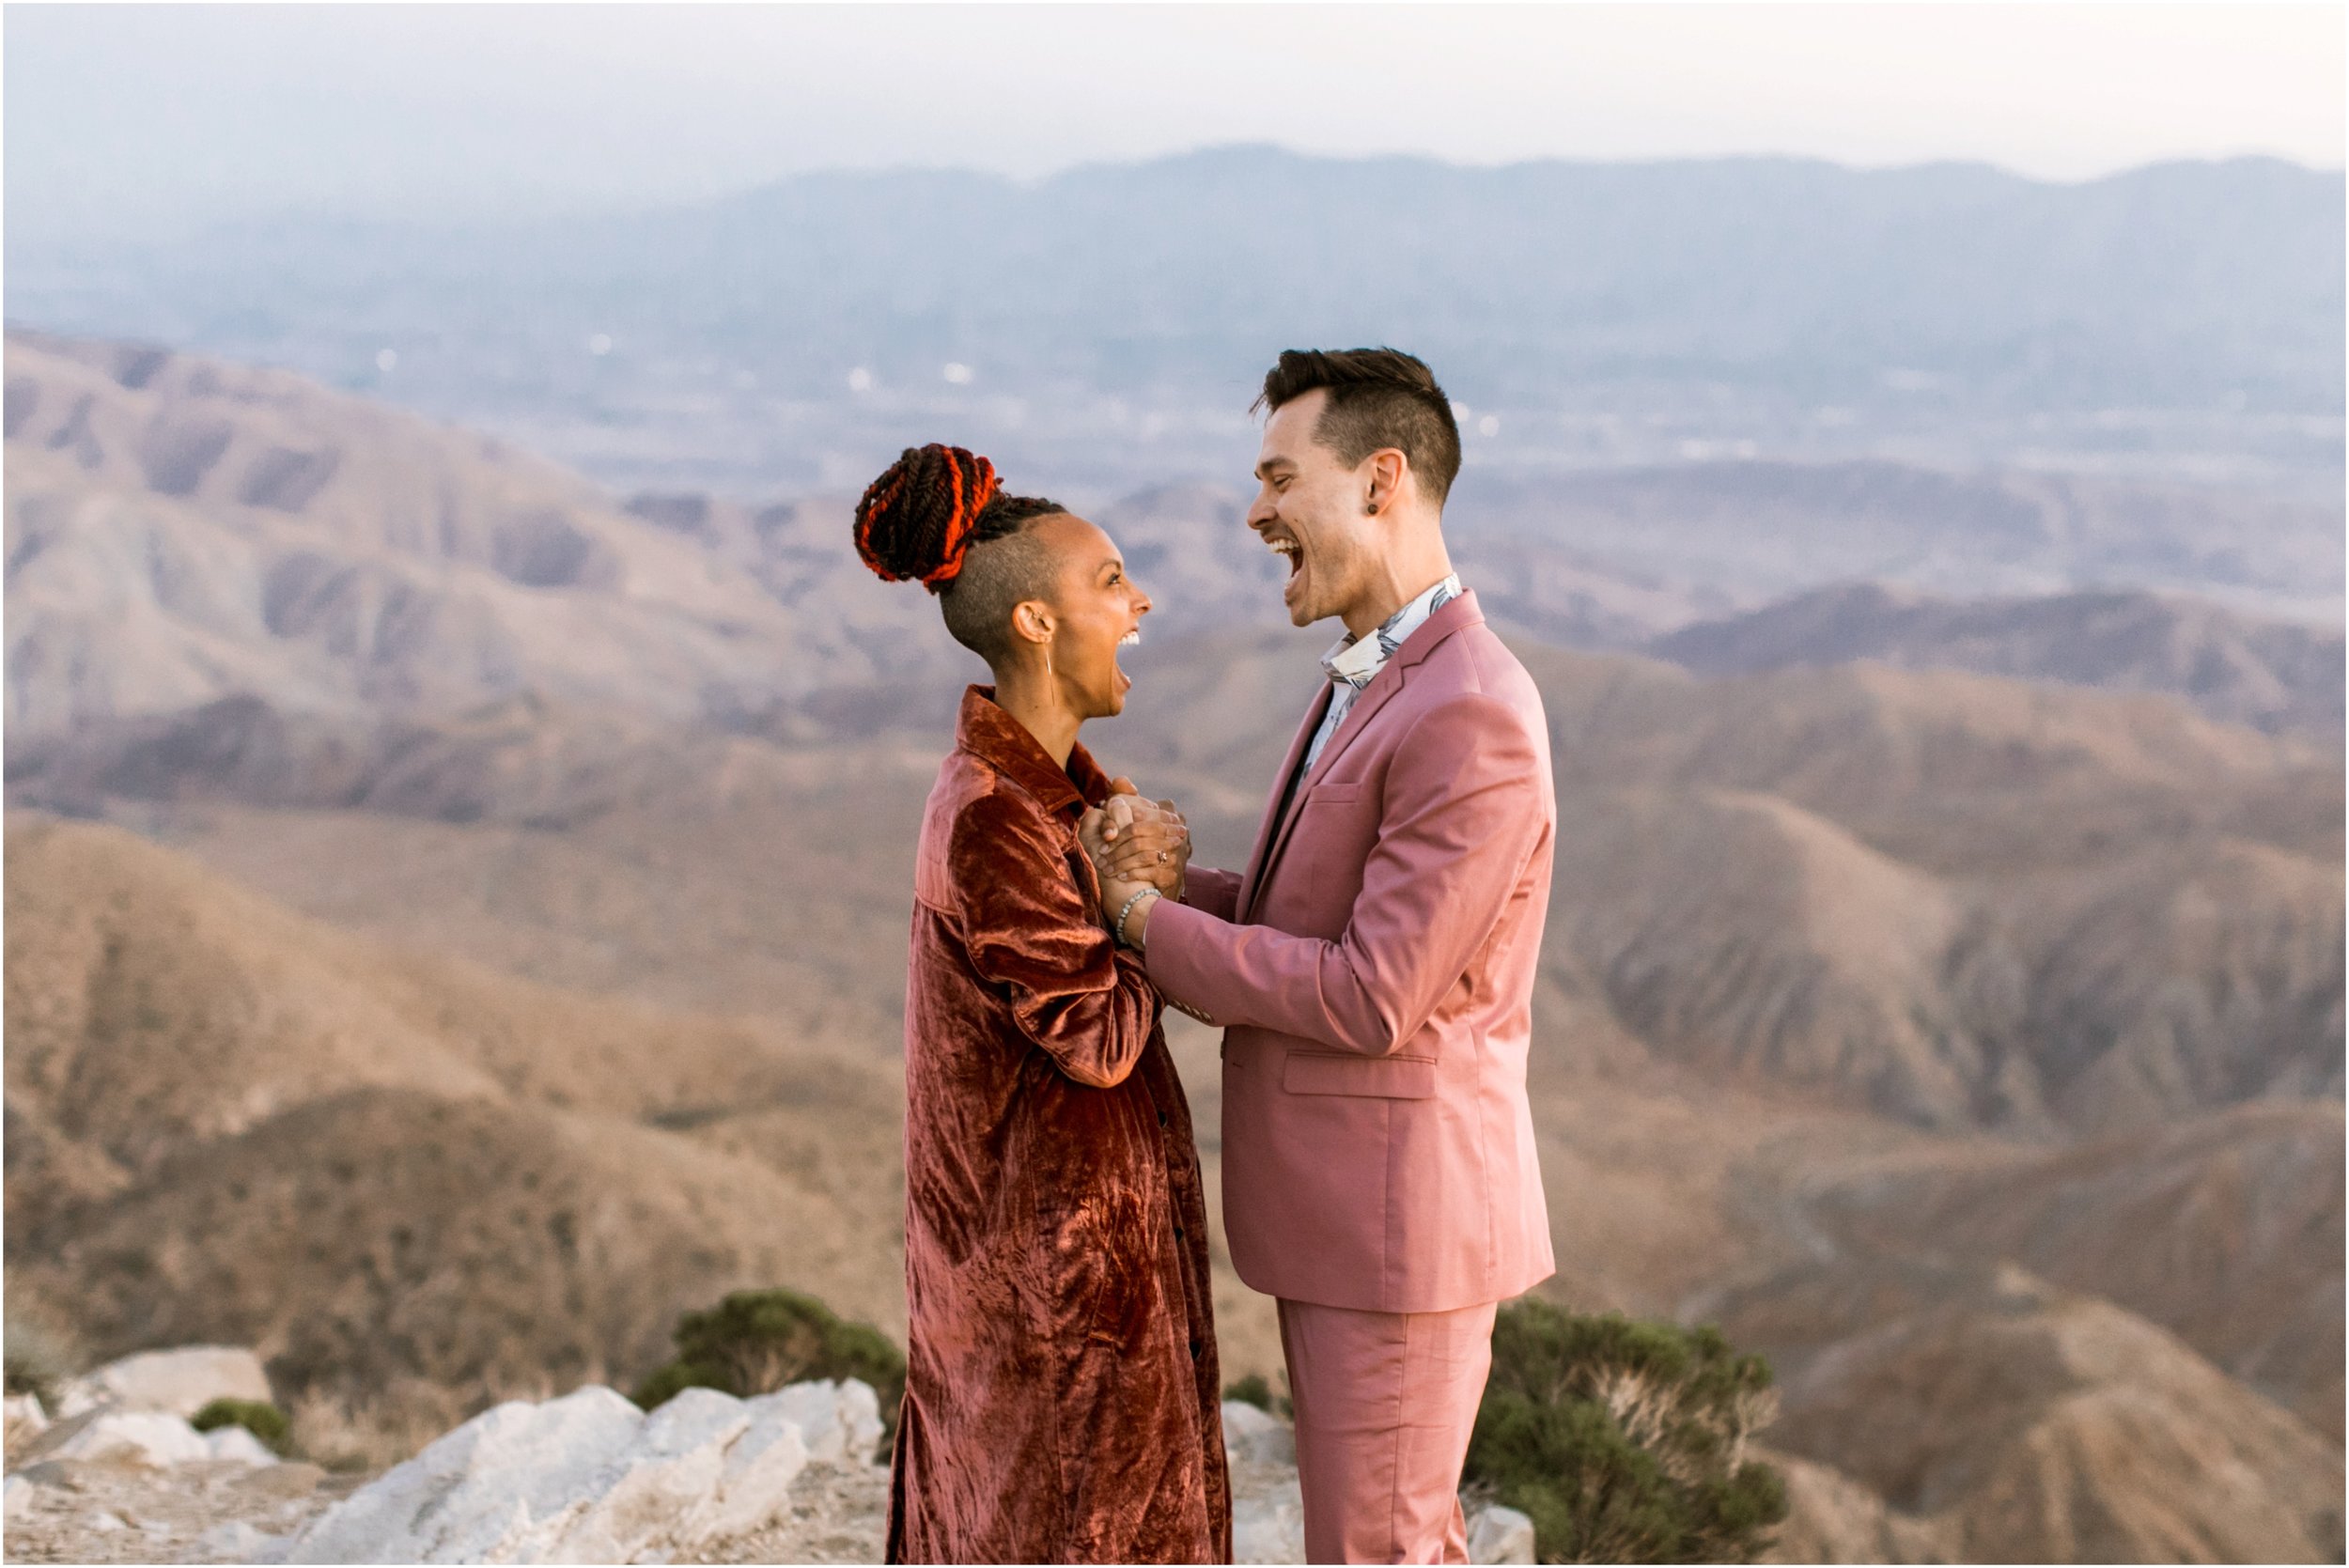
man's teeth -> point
(1282, 546)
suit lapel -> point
(1271, 824)
(1384, 685)
(1460, 612)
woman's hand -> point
(1133, 840)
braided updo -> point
(938, 515)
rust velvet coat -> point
(1062, 1402)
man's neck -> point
(1034, 698)
(1401, 580)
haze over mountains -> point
(510, 950)
(1106, 326)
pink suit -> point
(1373, 972)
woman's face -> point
(1096, 608)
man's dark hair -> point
(1378, 397)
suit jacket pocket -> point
(1384, 1078)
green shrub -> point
(1254, 1390)
(758, 1341)
(263, 1419)
(1626, 1441)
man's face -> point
(1309, 508)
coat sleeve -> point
(1031, 929)
(1214, 892)
(1464, 808)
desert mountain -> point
(474, 1024)
(1957, 899)
(386, 1167)
(2274, 675)
(181, 530)
(2046, 1427)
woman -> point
(1062, 1402)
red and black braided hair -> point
(938, 516)
(921, 518)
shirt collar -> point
(1357, 660)
(1003, 743)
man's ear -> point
(1384, 481)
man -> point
(1374, 967)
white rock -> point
(235, 1542)
(476, 1488)
(1269, 1526)
(755, 1484)
(180, 1381)
(109, 1521)
(836, 1419)
(1498, 1534)
(24, 1416)
(144, 1437)
(669, 1469)
(589, 1479)
(17, 1493)
(235, 1442)
(1253, 1437)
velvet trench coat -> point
(1062, 1397)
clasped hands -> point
(1135, 845)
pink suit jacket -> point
(1373, 972)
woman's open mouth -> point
(1131, 640)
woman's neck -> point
(1035, 699)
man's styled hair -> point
(1378, 397)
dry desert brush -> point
(1626, 1441)
(758, 1341)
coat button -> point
(1194, 1347)
(1178, 1233)
(1161, 1118)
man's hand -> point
(1129, 839)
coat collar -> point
(1273, 836)
(1003, 742)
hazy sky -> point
(130, 119)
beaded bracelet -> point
(1138, 897)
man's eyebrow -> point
(1270, 463)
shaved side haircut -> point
(1378, 398)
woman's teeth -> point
(1131, 638)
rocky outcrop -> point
(590, 1478)
(177, 1382)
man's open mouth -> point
(1289, 550)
